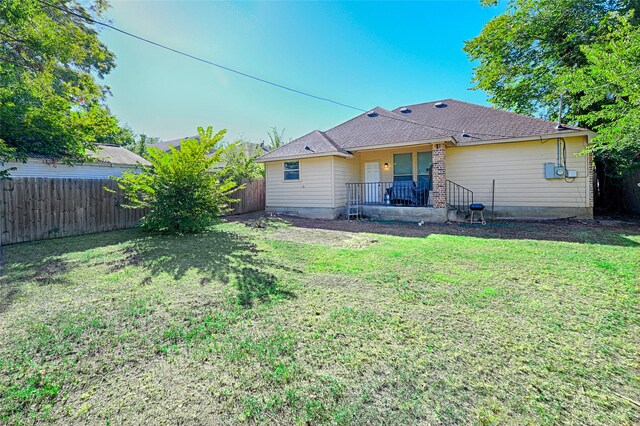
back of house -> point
(429, 160)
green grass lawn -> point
(293, 325)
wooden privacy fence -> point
(251, 198)
(41, 208)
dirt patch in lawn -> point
(338, 239)
(601, 231)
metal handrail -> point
(459, 197)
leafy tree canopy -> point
(607, 90)
(182, 189)
(50, 61)
(522, 52)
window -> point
(424, 168)
(291, 170)
(402, 167)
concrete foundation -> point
(512, 212)
(309, 212)
(406, 214)
(436, 215)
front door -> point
(372, 182)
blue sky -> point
(360, 53)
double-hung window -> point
(291, 170)
(402, 167)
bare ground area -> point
(597, 231)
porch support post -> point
(439, 175)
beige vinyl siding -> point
(518, 169)
(42, 169)
(313, 189)
(345, 170)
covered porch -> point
(400, 183)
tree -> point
(240, 163)
(141, 144)
(50, 60)
(182, 190)
(607, 89)
(522, 51)
(276, 138)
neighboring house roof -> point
(116, 154)
(445, 120)
(175, 143)
(106, 153)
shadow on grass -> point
(604, 232)
(219, 256)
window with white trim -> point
(291, 170)
(402, 167)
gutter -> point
(560, 134)
(302, 156)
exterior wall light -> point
(386, 166)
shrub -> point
(181, 189)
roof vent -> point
(465, 134)
(405, 110)
(372, 114)
(440, 105)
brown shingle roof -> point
(317, 142)
(426, 121)
(479, 122)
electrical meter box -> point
(551, 171)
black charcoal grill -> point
(477, 207)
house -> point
(110, 160)
(425, 161)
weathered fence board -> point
(41, 208)
(250, 198)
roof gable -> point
(316, 142)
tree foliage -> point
(522, 52)
(141, 144)
(50, 61)
(240, 163)
(182, 190)
(607, 90)
(276, 138)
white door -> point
(372, 182)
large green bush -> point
(182, 190)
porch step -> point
(453, 215)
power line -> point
(188, 55)
(243, 74)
